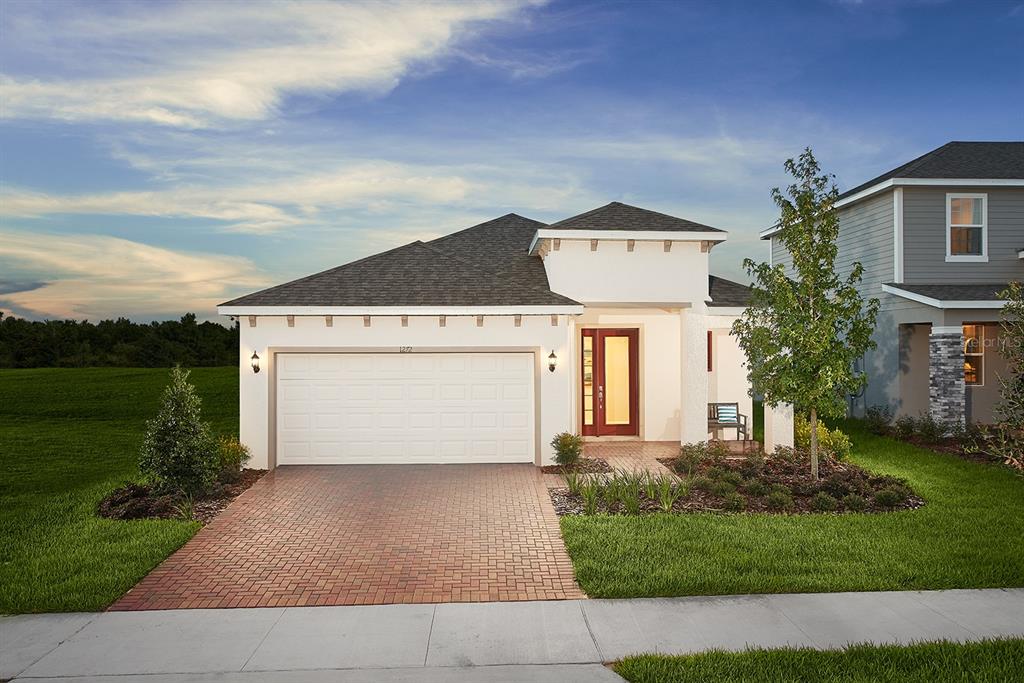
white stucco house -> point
(480, 346)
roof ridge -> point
(480, 225)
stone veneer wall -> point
(947, 397)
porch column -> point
(693, 412)
(778, 427)
(947, 398)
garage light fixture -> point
(552, 361)
(255, 360)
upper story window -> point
(966, 227)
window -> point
(974, 355)
(966, 227)
(710, 347)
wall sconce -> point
(552, 361)
(255, 361)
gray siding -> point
(780, 254)
(924, 230)
(866, 235)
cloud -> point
(193, 65)
(94, 276)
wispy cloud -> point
(95, 276)
(193, 65)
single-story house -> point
(481, 345)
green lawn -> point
(994, 660)
(967, 535)
(67, 437)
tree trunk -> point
(814, 444)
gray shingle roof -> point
(957, 292)
(996, 160)
(480, 266)
(619, 216)
(727, 293)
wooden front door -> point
(610, 383)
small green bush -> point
(568, 448)
(702, 484)
(753, 465)
(877, 419)
(589, 492)
(573, 482)
(232, 455)
(854, 502)
(692, 455)
(630, 498)
(890, 497)
(756, 487)
(831, 442)
(734, 502)
(780, 488)
(668, 493)
(779, 501)
(824, 502)
(904, 427)
(178, 454)
(734, 478)
(715, 472)
(721, 488)
(930, 430)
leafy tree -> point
(1010, 408)
(178, 453)
(804, 329)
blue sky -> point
(158, 158)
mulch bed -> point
(715, 487)
(581, 466)
(141, 501)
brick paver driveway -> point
(371, 534)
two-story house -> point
(938, 237)
(481, 345)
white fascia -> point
(622, 235)
(731, 311)
(929, 182)
(940, 303)
(401, 310)
(768, 233)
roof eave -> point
(623, 235)
(943, 303)
(926, 182)
(545, 309)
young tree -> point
(178, 452)
(1010, 408)
(804, 329)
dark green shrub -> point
(734, 502)
(839, 484)
(779, 501)
(702, 484)
(753, 465)
(904, 427)
(567, 447)
(178, 453)
(715, 472)
(824, 502)
(755, 487)
(930, 430)
(889, 498)
(780, 488)
(721, 488)
(734, 478)
(877, 419)
(854, 502)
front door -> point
(610, 382)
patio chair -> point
(727, 416)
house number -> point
(405, 349)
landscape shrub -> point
(731, 477)
(178, 453)
(755, 487)
(779, 501)
(702, 484)
(889, 498)
(630, 497)
(831, 442)
(721, 488)
(589, 492)
(573, 482)
(854, 502)
(734, 502)
(929, 430)
(715, 472)
(839, 484)
(568, 447)
(232, 456)
(668, 493)
(824, 502)
(877, 419)
(904, 427)
(753, 465)
(780, 488)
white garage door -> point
(404, 408)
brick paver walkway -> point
(371, 534)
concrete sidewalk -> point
(510, 641)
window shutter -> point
(709, 351)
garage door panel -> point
(405, 408)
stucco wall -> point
(612, 274)
(727, 381)
(555, 390)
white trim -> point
(967, 258)
(897, 234)
(940, 303)
(948, 329)
(769, 232)
(400, 310)
(949, 182)
(726, 310)
(623, 235)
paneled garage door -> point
(339, 408)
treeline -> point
(117, 343)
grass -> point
(968, 535)
(67, 437)
(992, 660)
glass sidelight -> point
(610, 382)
